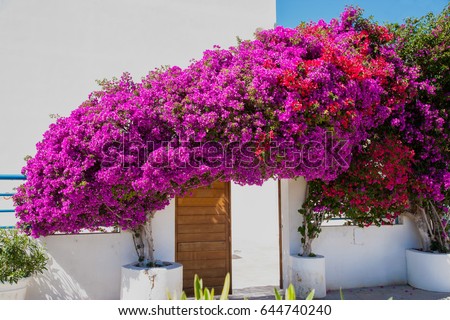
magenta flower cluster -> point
(292, 102)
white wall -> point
(83, 267)
(164, 233)
(292, 197)
(51, 53)
(87, 266)
(355, 257)
(372, 256)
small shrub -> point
(20, 256)
(201, 293)
(290, 294)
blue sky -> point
(291, 12)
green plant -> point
(290, 294)
(313, 216)
(20, 256)
(201, 293)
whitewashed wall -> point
(373, 256)
(87, 266)
(355, 257)
(51, 53)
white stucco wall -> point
(292, 197)
(51, 53)
(87, 266)
(83, 267)
(355, 257)
(372, 256)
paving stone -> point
(397, 292)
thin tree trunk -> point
(307, 247)
(439, 229)
(143, 242)
(422, 226)
(307, 241)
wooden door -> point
(203, 235)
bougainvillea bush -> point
(425, 43)
(404, 166)
(373, 191)
(292, 102)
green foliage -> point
(201, 293)
(290, 294)
(310, 295)
(20, 256)
(425, 42)
(312, 215)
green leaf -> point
(226, 288)
(277, 294)
(310, 296)
(290, 293)
(198, 285)
(207, 294)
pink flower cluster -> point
(292, 102)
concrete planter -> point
(139, 283)
(307, 273)
(428, 271)
(15, 291)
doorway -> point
(203, 235)
(255, 236)
(229, 228)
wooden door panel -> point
(195, 210)
(202, 219)
(202, 255)
(198, 229)
(203, 235)
(199, 237)
(209, 273)
(201, 202)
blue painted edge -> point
(6, 194)
(12, 177)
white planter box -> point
(15, 291)
(306, 274)
(428, 271)
(139, 283)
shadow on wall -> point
(83, 267)
(56, 284)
